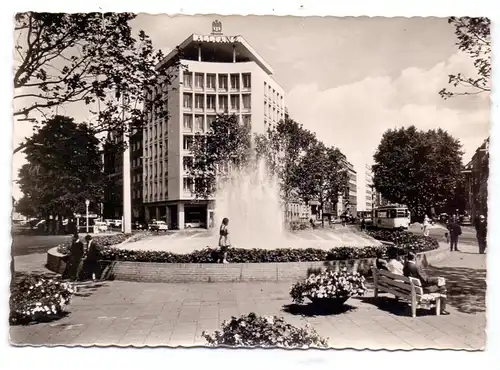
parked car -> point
(101, 226)
(443, 217)
(466, 220)
(192, 225)
(139, 226)
(158, 226)
(117, 223)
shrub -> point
(257, 331)
(34, 298)
(107, 252)
(299, 225)
(329, 284)
(405, 240)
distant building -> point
(476, 181)
(367, 197)
(348, 201)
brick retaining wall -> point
(212, 272)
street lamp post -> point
(87, 203)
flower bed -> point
(405, 240)
(299, 225)
(257, 331)
(329, 284)
(34, 298)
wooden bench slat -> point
(393, 276)
(401, 285)
(407, 288)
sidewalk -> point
(122, 313)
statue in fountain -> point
(224, 242)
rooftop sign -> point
(214, 38)
(216, 28)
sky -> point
(346, 79)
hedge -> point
(404, 242)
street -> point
(23, 245)
(437, 231)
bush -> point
(107, 252)
(34, 298)
(405, 240)
(329, 284)
(299, 225)
(257, 331)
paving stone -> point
(158, 314)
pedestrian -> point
(455, 231)
(74, 265)
(425, 226)
(91, 265)
(363, 223)
(481, 233)
(224, 242)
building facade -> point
(476, 175)
(220, 74)
(112, 207)
(368, 196)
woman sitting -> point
(393, 264)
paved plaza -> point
(140, 314)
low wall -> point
(231, 272)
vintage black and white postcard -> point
(250, 181)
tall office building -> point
(221, 74)
(368, 193)
(348, 200)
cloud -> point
(353, 117)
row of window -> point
(158, 169)
(213, 101)
(137, 194)
(154, 189)
(272, 94)
(155, 150)
(219, 81)
(136, 162)
(155, 131)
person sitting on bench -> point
(394, 265)
(430, 284)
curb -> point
(154, 272)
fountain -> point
(250, 199)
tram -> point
(391, 217)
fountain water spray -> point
(250, 199)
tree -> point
(26, 207)
(322, 175)
(283, 147)
(226, 146)
(474, 39)
(64, 169)
(416, 168)
(90, 58)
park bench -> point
(406, 288)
